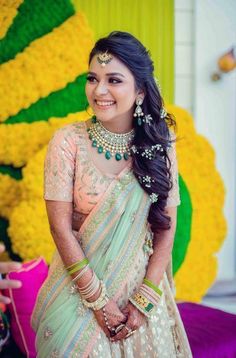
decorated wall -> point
(43, 63)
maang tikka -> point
(104, 58)
(141, 118)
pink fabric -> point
(32, 276)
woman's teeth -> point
(105, 103)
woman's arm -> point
(60, 222)
(162, 249)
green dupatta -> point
(111, 236)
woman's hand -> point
(6, 267)
(135, 320)
(114, 316)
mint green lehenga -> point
(112, 237)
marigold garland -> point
(8, 11)
(196, 160)
(10, 190)
(47, 65)
(19, 142)
(31, 238)
(34, 19)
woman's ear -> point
(141, 94)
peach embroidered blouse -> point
(71, 175)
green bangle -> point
(77, 266)
(153, 286)
(74, 264)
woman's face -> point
(111, 91)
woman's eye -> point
(114, 80)
(91, 79)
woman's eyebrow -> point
(114, 74)
(107, 74)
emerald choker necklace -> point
(111, 144)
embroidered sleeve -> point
(173, 196)
(59, 166)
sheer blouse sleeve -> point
(173, 196)
(59, 166)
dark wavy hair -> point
(134, 55)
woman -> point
(111, 193)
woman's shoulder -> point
(71, 132)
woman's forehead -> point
(113, 66)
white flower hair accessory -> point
(154, 197)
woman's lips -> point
(104, 104)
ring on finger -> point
(113, 331)
(119, 328)
(129, 334)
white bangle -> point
(81, 273)
(101, 300)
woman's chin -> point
(104, 117)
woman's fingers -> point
(6, 267)
(101, 322)
(4, 284)
(135, 320)
(5, 300)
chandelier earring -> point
(138, 113)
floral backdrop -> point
(43, 63)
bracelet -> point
(153, 286)
(77, 266)
(100, 302)
(91, 287)
(149, 293)
(139, 307)
(142, 303)
(81, 273)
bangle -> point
(100, 302)
(81, 273)
(77, 266)
(91, 287)
(150, 294)
(142, 304)
(153, 286)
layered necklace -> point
(111, 144)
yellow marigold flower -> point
(46, 65)
(8, 11)
(20, 141)
(196, 162)
(10, 190)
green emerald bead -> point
(94, 119)
(118, 156)
(94, 143)
(139, 121)
(126, 156)
(149, 307)
(100, 149)
(108, 155)
(90, 136)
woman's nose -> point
(101, 88)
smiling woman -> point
(111, 191)
(111, 92)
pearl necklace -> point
(112, 144)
